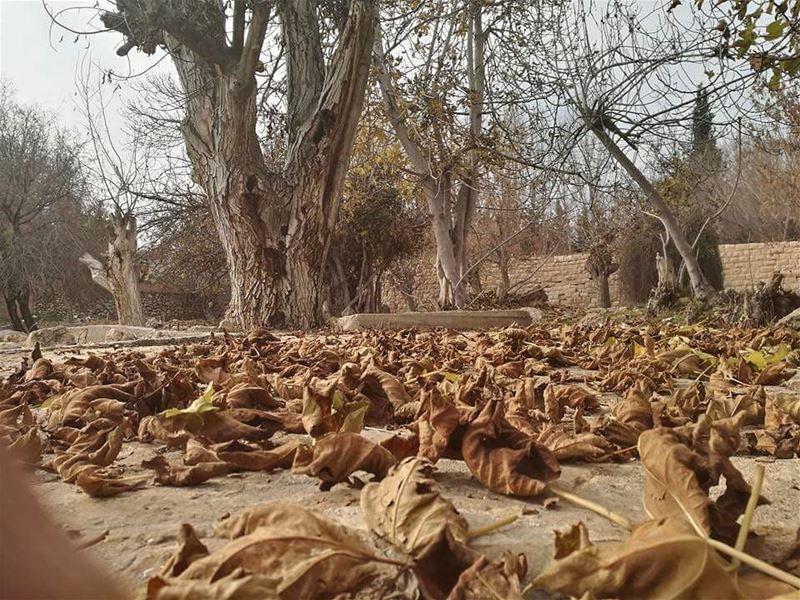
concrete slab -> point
(451, 319)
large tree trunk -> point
(700, 286)
(120, 274)
(601, 266)
(122, 271)
(603, 291)
(23, 300)
(13, 313)
(275, 223)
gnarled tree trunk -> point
(120, 275)
(274, 221)
(601, 266)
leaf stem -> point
(752, 503)
(749, 560)
(491, 527)
(593, 506)
(754, 562)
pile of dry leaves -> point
(513, 404)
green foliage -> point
(766, 33)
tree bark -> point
(700, 286)
(274, 222)
(13, 313)
(603, 291)
(23, 300)
(120, 275)
(122, 270)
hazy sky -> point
(42, 60)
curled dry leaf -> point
(407, 510)
(182, 476)
(680, 470)
(492, 579)
(305, 555)
(663, 558)
(502, 459)
(236, 586)
(380, 384)
(557, 397)
(335, 456)
(568, 447)
(190, 549)
(438, 419)
(781, 409)
(217, 426)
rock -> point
(453, 319)
(50, 336)
(12, 336)
(791, 320)
(228, 325)
(117, 335)
(200, 328)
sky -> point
(43, 61)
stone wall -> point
(567, 283)
(744, 265)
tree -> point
(379, 221)
(41, 184)
(116, 179)
(275, 221)
(764, 32)
(446, 160)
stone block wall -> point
(567, 282)
(744, 265)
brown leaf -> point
(27, 448)
(182, 476)
(216, 426)
(781, 409)
(380, 384)
(307, 556)
(236, 586)
(492, 579)
(565, 447)
(679, 472)
(437, 420)
(663, 558)
(407, 510)
(248, 457)
(336, 456)
(190, 549)
(102, 483)
(556, 397)
(498, 457)
(402, 444)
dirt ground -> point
(141, 526)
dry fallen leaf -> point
(406, 510)
(305, 555)
(663, 558)
(502, 460)
(335, 456)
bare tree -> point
(40, 177)
(274, 220)
(116, 175)
(447, 163)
